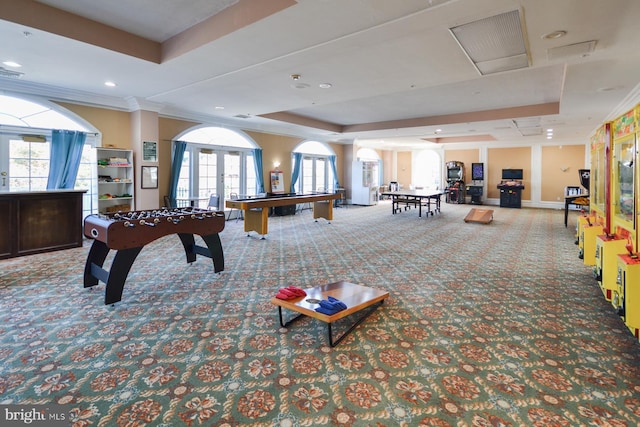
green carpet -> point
(486, 325)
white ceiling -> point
(386, 61)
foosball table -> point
(129, 232)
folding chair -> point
(239, 215)
(214, 202)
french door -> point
(207, 172)
(314, 174)
(24, 165)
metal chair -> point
(342, 201)
(167, 202)
(214, 202)
(239, 215)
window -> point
(28, 165)
(427, 170)
(25, 135)
(316, 171)
(216, 161)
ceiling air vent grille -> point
(530, 126)
(571, 50)
(494, 44)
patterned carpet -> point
(486, 325)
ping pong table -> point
(416, 199)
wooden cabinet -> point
(115, 180)
(40, 221)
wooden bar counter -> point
(40, 221)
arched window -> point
(367, 155)
(25, 138)
(314, 168)
(217, 161)
(427, 170)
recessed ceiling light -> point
(219, 108)
(12, 64)
(324, 85)
(554, 35)
(109, 83)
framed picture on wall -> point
(149, 177)
(277, 181)
(150, 151)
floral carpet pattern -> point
(486, 325)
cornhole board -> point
(483, 216)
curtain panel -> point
(297, 167)
(334, 168)
(179, 147)
(65, 156)
(257, 161)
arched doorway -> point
(316, 170)
(217, 161)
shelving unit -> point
(115, 180)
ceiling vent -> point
(10, 73)
(242, 116)
(571, 50)
(528, 126)
(494, 44)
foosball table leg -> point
(215, 251)
(189, 244)
(120, 267)
(95, 260)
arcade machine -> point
(626, 298)
(456, 189)
(511, 188)
(624, 207)
(599, 189)
(475, 189)
(589, 228)
(587, 240)
(608, 244)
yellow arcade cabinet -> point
(600, 174)
(622, 209)
(626, 298)
(608, 247)
(587, 242)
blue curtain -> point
(257, 161)
(334, 167)
(66, 152)
(295, 174)
(179, 147)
